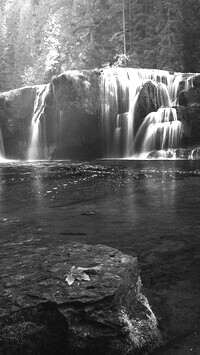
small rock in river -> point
(90, 213)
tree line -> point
(42, 38)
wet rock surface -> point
(190, 117)
(191, 95)
(76, 100)
(75, 299)
(196, 81)
(68, 109)
(16, 109)
(188, 97)
(150, 98)
(78, 88)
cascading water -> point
(159, 131)
(2, 151)
(38, 147)
(120, 88)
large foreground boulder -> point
(75, 299)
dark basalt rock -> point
(196, 81)
(195, 153)
(150, 98)
(16, 109)
(69, 107)
(182, 98)
(179, 153)
(188, 97)
(73, 114)
(75, 299)
(190, 117)
(79, 89)
(77, 106)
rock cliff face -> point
(76, 299)
(16, 109)
(70, 116)
(189, 97)
(190, 117)
(189, 113)
(76, 98)
(192, 95)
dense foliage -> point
(40, 38)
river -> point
(149, 209)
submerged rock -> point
(180, 153)
(76, 299)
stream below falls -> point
(149, 209)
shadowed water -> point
(118, 203)
(146, 208)
(52, 199)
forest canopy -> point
(41, 38)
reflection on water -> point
(114, 202)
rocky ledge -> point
(75, 299)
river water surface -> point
(150, 209)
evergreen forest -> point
(42, 38)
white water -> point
(2, 150)
(119, 93)
(37, 148)
(160, 130)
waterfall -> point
(120, 88)
(160, 130)
(110, 108)
(2, 151)
(38, 147)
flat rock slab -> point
(75, 299)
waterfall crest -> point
(125, 132)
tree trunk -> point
(124, 27)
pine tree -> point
(191, 30)
(169, 31)
(41, 38)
